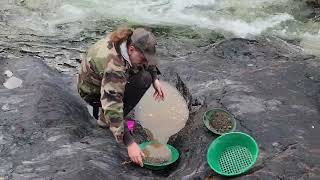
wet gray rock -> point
(270, 86)
(315, 5)
(272, 100)
(47, 132)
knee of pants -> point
(92, 99)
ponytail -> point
(120, 35)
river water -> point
(239, 18)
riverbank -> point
(270, 86)
(268, 82)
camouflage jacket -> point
(103, 73)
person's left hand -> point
(159, 93)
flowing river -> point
(289, 19)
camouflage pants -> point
(137, 85)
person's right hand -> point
(159, 90)
(135, 153)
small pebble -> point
(275, 144)
(5, 107)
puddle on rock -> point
(164, 118)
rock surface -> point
(315, 5)
(272, 89)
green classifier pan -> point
(232, 153)
(174, 154)
(207, 119)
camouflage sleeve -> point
(112, 91)
(154, 71)
(127, 137)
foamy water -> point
(242, 18)
(164, 118)
(311, 44)
(232, 16)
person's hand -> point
(159, 93)
(135, 153)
